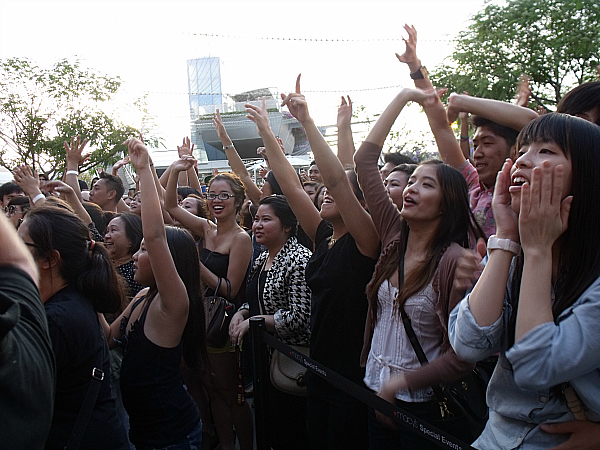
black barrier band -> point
(366, 396)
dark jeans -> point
(335, 419)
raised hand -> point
(263, 171)
(344, 115)
(138, 153)
(506, 219)
(259, 116)
(296, 103)
(544, 213)
(523, 91)
(60, 187)
(186, 148)
(220, 127)
(27, 180)
(119, 164)
(74, 152)
(186, 162)
(410, 54)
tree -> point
(41, 108)
(556, 43)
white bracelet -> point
(503, 244)
(38, 197)
(72, 172)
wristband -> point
(72, 172)
(38, 197)
(464, 138)
(507, 245)
(228, 146)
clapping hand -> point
(186, 162)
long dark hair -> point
(579, 255)
(185, 256)
(456, 226)
(82, 263)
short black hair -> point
(10, 188)
(583, 98)
(508, 134)
(397, 158)
(113, 183)
(186, 191)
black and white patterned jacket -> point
(286, 294)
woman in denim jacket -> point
(544, 323)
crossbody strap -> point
(85, 411)
(416, 345)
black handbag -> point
(218, 312)
(465, 397)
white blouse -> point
(391, 352)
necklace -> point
(331, 242)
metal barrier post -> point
(260, 363)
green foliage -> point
(556, 43)
(41, 108)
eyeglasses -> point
(12, 209)
(221, 196)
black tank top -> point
(161, 412)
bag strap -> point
(85, 411)
(416, 345)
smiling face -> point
(315, 174)
(268, 229)
(422, 196)
(136, 204)
(532, 156)
(394, 185)
(116, 241)
(489, 153)
(221, 208)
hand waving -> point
(296, 103)
(74, 151)
(220, 127)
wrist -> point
(36, 197)
(415, 65)
(504, 244)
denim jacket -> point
(525, 389)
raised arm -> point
(74, 158)
(185, 218)
(465, 146)
(356, 219)
(30, 183)
(66, 193)
(503, 113)
(173, 297)
(346, 149)
(301, 204)
(236, 163)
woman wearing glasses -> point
(226, 255)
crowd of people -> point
(491, 252)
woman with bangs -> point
(224, 258)
(424, 228)
(537, 301)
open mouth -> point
(218, 208)
(519, 181)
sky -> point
(340, 47)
